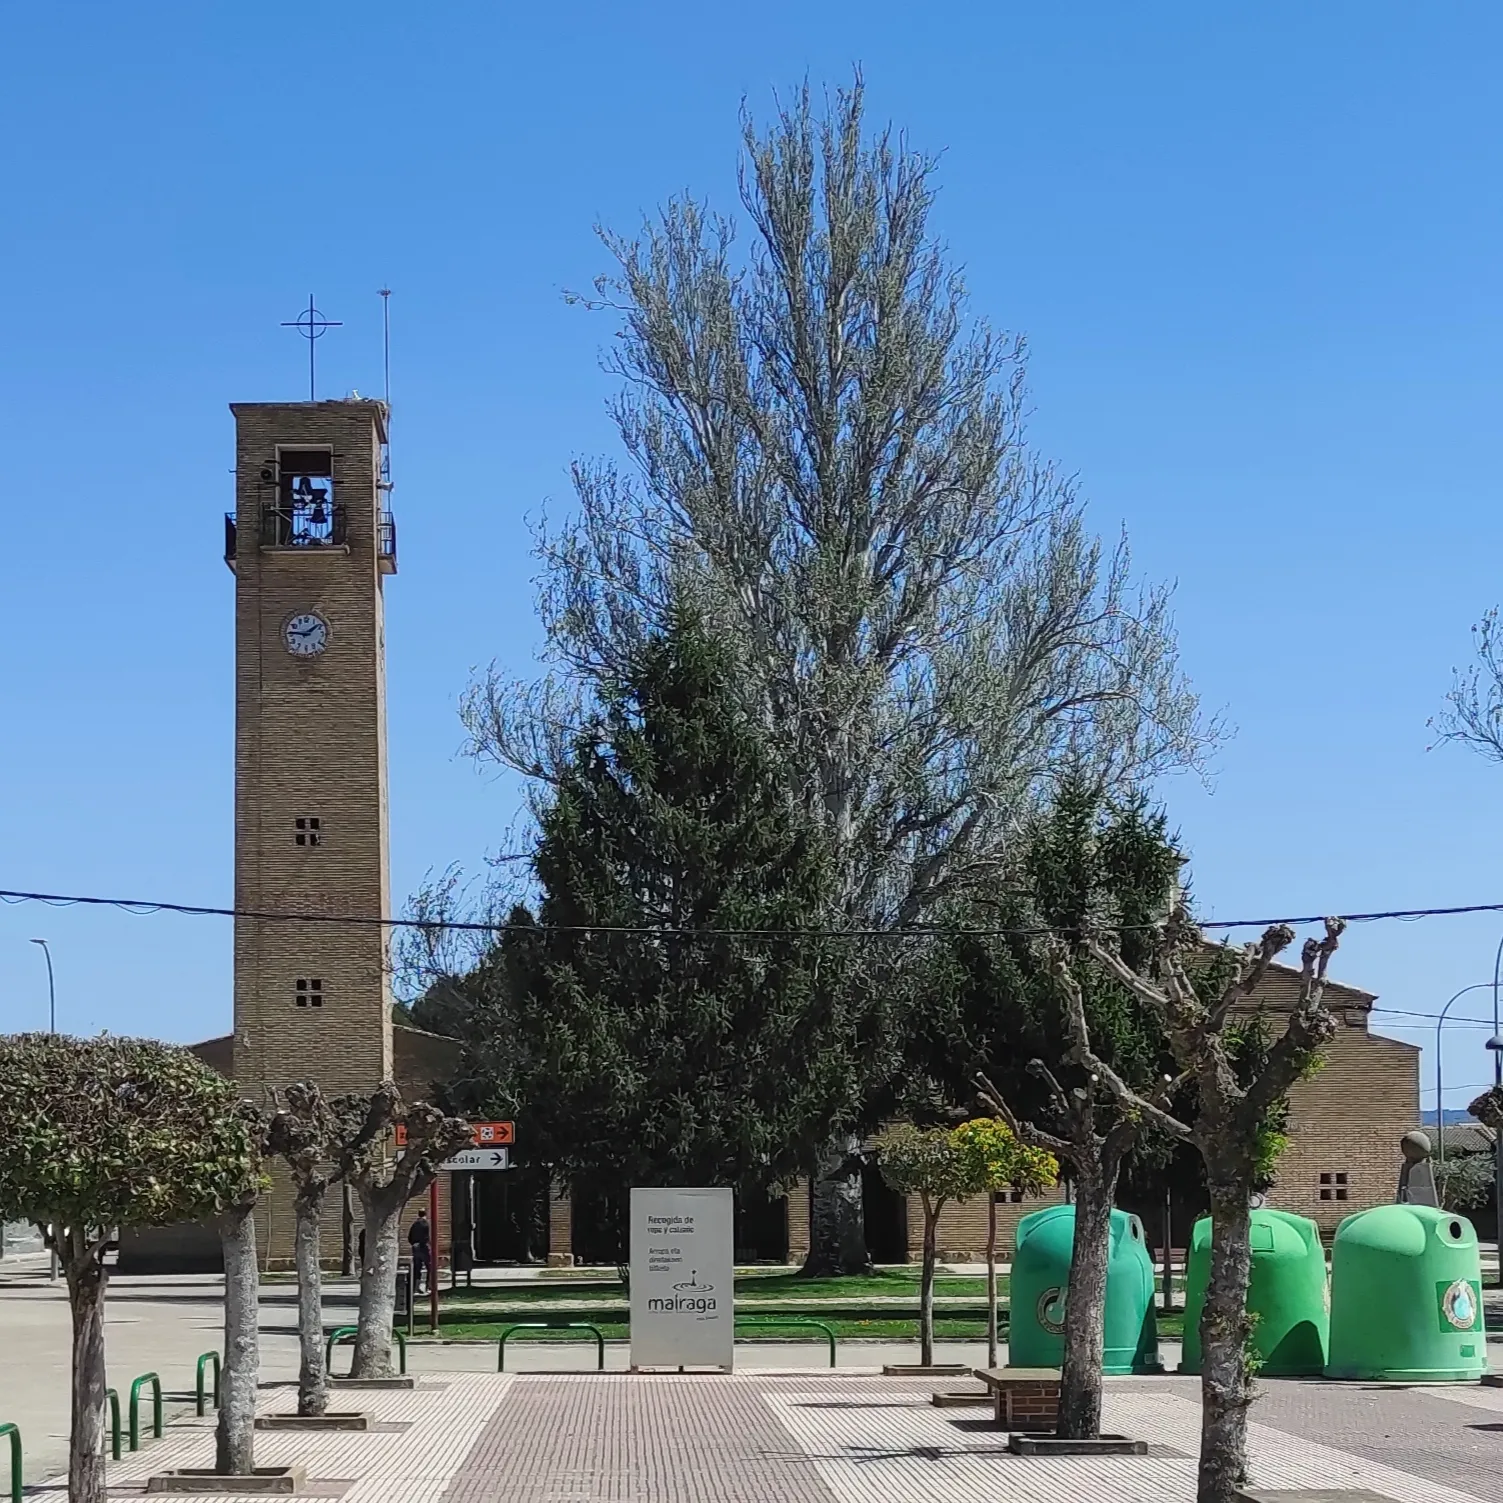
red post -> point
(433, 1256)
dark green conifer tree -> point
(643, 1026)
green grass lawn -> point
(755, 1286)
(463, 1326)
(482, 1313)
(884, 1330)
(875, 1329)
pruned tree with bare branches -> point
(825, 453)
(319, 1141)
(1229, 1129)
(386, 1181)
(1093, 1132)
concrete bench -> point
(1026, 1398)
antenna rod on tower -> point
(385, 481)
(386, 344)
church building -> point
(312, 543)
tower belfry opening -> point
(304, 514)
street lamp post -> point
(52, 989)
(1493, 1044)
(51, 1028)
(1440, 1099)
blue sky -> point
(1254, 249)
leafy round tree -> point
(102, 1134)
(940, 1165)
(924, 1161)
(992, 1158)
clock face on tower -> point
(306, 634)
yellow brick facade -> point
(310, 743)
(1347, 1120)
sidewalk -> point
(764, 1437)
(150, 1325)
(416, 1448)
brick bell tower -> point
(310, 544)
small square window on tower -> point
(310, 992)
(307, 830)
(1333, 1186)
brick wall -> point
(798, 1221)
(560, 1227)
(1028, 1404)
(1347, 1120)
(961, 1234)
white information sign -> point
(683, 1306)
(479, 1158)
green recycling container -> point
(1406, 1297)
(1286, 1294)
(1041, 1276)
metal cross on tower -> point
(311, 324)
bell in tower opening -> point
(304, 514)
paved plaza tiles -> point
(764, 1437)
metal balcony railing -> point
(299, 526)
(296, 527)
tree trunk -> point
(312, 1376)
(235, 1434)
(1225, 1383)
(991, 1279)
(926, 1283)
(1085, 1311)
(837, 1232)
(86, 1286)
(378, 1286)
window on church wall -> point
(1008, 1197)
(1333, 1185)
(304, 513)
(308, 830)
(310, 991)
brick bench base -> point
(1026, 1398)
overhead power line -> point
(1381, 1015)
(198, 910)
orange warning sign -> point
(482, 1134)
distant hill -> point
(1453, 1114)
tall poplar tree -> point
(825, 445)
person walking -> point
(419, 1239)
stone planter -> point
(1051, 1445)
(265, 1480)
(334, 1419)
(913, 1370)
